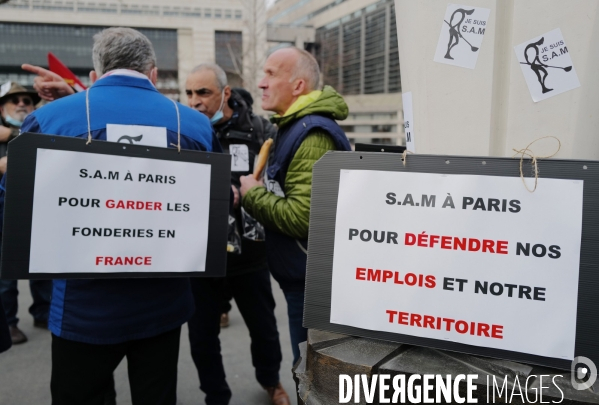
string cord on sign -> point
(534, 160)
(89, 130)
(178, 145)
(404, 156)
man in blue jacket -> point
(96, 323)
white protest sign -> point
(95, 213)
(546, 65)
(462, 33)
(476, 260)
(408, 121)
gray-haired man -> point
(241, 133)
(97, 323)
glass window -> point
(229, 51)
(307, 17)
(381, 128)
(167, 11)
(362, 128)
(394, 73)
(16, 4)
(328, 55)
(288, 10)
(29, 43)
(196, 12)
(352, 52)
(218, 13)
(374, 52)
(379, 55)
(333, 24)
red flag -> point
(56, 66)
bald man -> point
(240, 133)
(306, 118)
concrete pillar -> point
(488, 110)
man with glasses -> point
(16, 103)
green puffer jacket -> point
(290, 215)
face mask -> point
(13, 122)
(219, 114)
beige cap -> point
(10, 88)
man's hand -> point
(249, 182)
(48, 85)
(3, 163)
(235, 197)
(5, 133)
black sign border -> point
(18, 209)
(325, 186)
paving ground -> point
(25, 368)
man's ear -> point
(227, 91)
(299, 88)
(153, 76)
(93, 76)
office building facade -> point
(184, 33)
(355, 43)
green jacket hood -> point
(329, 103)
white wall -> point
(489, 110)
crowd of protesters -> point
(142, 319)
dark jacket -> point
(244, 128)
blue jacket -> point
(108, 311)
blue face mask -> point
(216, 117)
(14, 122)
(219, 114)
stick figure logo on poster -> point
(544, 79)
(148, 135)
(537, 66)
(462, 32)
(130, 139)
(454, 31)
